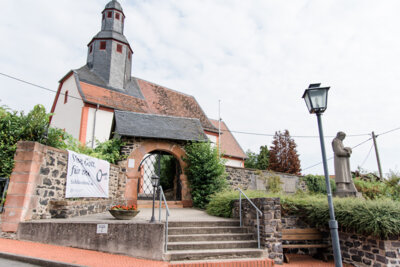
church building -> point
(102, 99)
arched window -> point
(103, 45)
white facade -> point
(66, 114)
(233, 162)
(213, 139)
(102, 127)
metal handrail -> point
(162, 196)
(258, 212)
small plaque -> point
(131, 163)
(102, 228)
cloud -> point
(256, 56)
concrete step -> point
(212, 245)
(205, 230)
(211, 237)
(203, 223)
(149, 204)
(248, 262)
(184, 255)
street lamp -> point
(316, 99)
(154, 181)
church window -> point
(117, 16)
(66, 97)
(129, 55)
(103, 45)
(90, 49)
(109, 14)
(119, 48)
(104, 15)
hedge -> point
(380, 218)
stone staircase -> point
(207, 240)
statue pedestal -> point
(346, 190)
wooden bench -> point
(307, 234)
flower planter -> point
(124, 214)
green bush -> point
(221, 203)
(369, 217)
(380, 217)
(370, 189)
(205, 172)
(16, 126)
(316, 184)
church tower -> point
(109, 52)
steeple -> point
(109, 52)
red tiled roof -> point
(229, 145)
(157, 100)
(109, 98)
(165, 101)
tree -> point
(251, 161)
(205, 172)
(263, 158)
(283, 154)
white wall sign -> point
(86, 176)
(131, 163)
(102, 228)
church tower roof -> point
(109, 52)
(114, 5)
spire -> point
(109, 52)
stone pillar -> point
(21, 198)
(270, 224)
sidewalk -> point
(51, 255)
(72, 256)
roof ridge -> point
(159, 115)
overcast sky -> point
(257, 57)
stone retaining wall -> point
(270, 224)
(256, 180)
(38, 182)
(358, 250)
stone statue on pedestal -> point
(344, 182)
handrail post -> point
(159, 207)
(240, 207)
(166, 231)
(258, 230)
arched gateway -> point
(146, 159)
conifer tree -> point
(283, 154)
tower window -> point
(117, 16)
(129, 55)
(104, 15)
(119, 48)
(90, 49)
(103, 45)
(123, 19)
(109, 14)
(66, 97)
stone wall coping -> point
(59, 150)
(250, 169)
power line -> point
(316, 164)
(239, 132)
(36, 85)
(369, 152)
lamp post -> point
(316, 99)
(154, 181)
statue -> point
(344, 183)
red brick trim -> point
(58, 93)
(84, 122)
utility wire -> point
(369, 152)
(239, 132)
(316, 164)
(36, 85)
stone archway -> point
(133, 174)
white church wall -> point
(102, 128)
(233, 162)
(68, 115)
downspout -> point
(94, 125)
